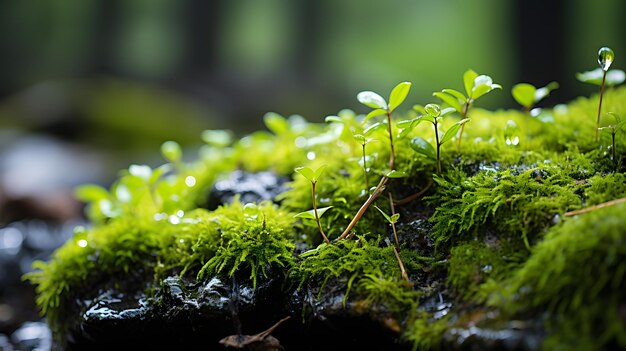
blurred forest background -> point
(87, 87)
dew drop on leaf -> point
(605, 58)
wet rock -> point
(32, 336)
(514, 336)
(251, 187)
(5, 343)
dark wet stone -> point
(514, 336)
(251, 187)
(32, 336)
(5, 343)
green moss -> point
(426, 333)
(361, 264)
(577, 274)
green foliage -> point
(613, 77)
(527, 95)
(351, 261)
(579, 263)
(426, 333)
(256, 243)
(519, 205)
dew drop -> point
(310, 155)
(605, 58)
(82, 243)
(511, 132)
(190, 181)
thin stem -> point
(317, 218)
(393, 225)
(463, 116)
(613, 146)
(438, 147)
(600, 104)
(592, 208)
(402, 270)
(367, 185)
(379, 190)
(392, 156)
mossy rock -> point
(512, 246)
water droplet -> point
(310, 155)
(605, 58)
(174, 219)
(301, 142)
(159, 216)
(511, 132)
(180, 213)
(190, 181)
(82, 243)
(487, 268)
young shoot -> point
(475, 86)
(315, 213)
(602, 76)
(528, 95)
(361, 139)
(434, 114)
(611, 123)
(380, 108)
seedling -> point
(380, 107)
(315, 213)
(392, 221)
(475, 87)
(613, 126)
(434, 114)
(364, 141)
(605, 59)
(528, 95)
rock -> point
(251, 187)
(32, 336)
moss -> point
(364, 265)
(577, 274)
(426, 333)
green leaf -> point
(158, 172)
(541, 93)
(375, 113)
(306, 172)
(310, 214)
(141, 171)
(433, 110)
(91, 193)
(371, 99)
(423, 147)
(218, 137)
(468, 80)
(384, 214)
(450, 100)
(457, 94)
(419, 109)
(396, 174)
(374, 127)
(446, 111)
(483, 89)
(171, 151)
(395, 217)
(450, 133)
(319, 171)
(276, 123)
(398, 94)
(524, 94)
(330, 119)
(426, 118)
(613, 77)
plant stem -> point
(379, 190)
(592, 208)
(438, 147)
(600, 104)
(463, 116)
(393, 225)
(367, 185)
(410, 198)
(613, 146)
(402, 270)
(317, 218)
(392, 156)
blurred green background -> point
(124, 76)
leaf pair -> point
(312, 175)
(378, 103)
(528, 95)
(475, 86)
(613, 77)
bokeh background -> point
(90, 86)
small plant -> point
(361, 139)
(433, 114)
(613, 127)
(380, 106)
(315, 213)
(528, 95)
(614, 77)
(475, 86)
